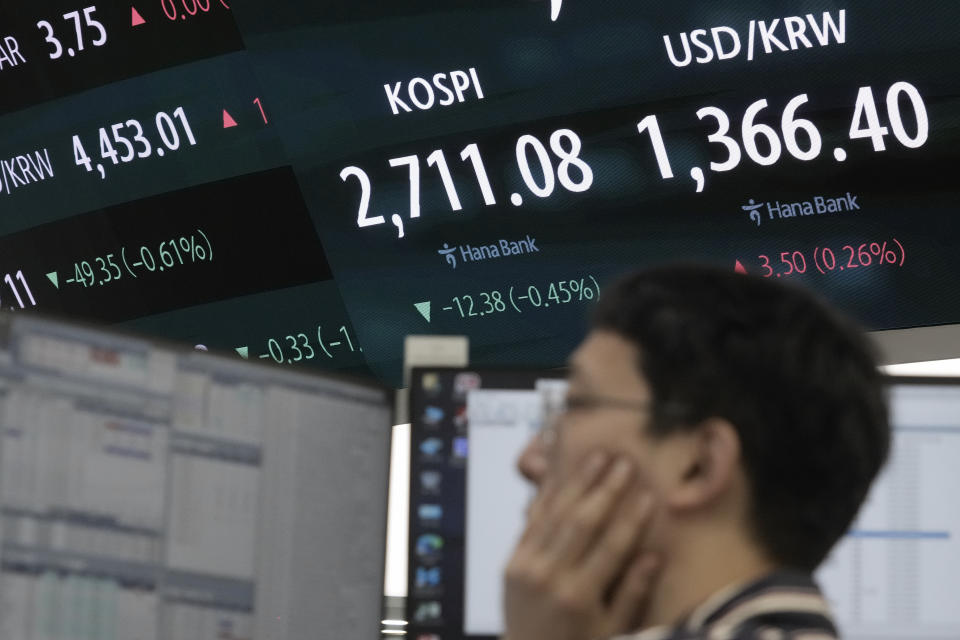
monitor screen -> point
(894, 575)
(485, 167)
(467, 501)
(155, 493)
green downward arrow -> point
(424, 309)
(54, 279)
(244, 352)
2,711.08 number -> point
(570, 170)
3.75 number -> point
(87, 19)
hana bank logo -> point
(555, 6)
(450, 254)
(754, 210)
(818, 205)
(493, 251)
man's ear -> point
(705, 464)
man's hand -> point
(578, 572)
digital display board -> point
(485, 167)
(307, 182)
(142, 184)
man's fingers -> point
(586, 522)
(538, 513)
(569, 495)
(581, 482)
(632, 594)
(608, 555)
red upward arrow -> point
(228, 120)
(739, 268)
(136, 18)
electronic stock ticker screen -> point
(142, 185)
(310, 182)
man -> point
(719, 435)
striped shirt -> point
(782, 606)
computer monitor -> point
(894, 575)
(464, 517)
(163, 494)
(897, 572)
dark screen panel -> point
(497, 163)
(142, 183)
(471, 168)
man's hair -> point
(798, 381)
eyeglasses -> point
(565, 405)
(570, 404)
